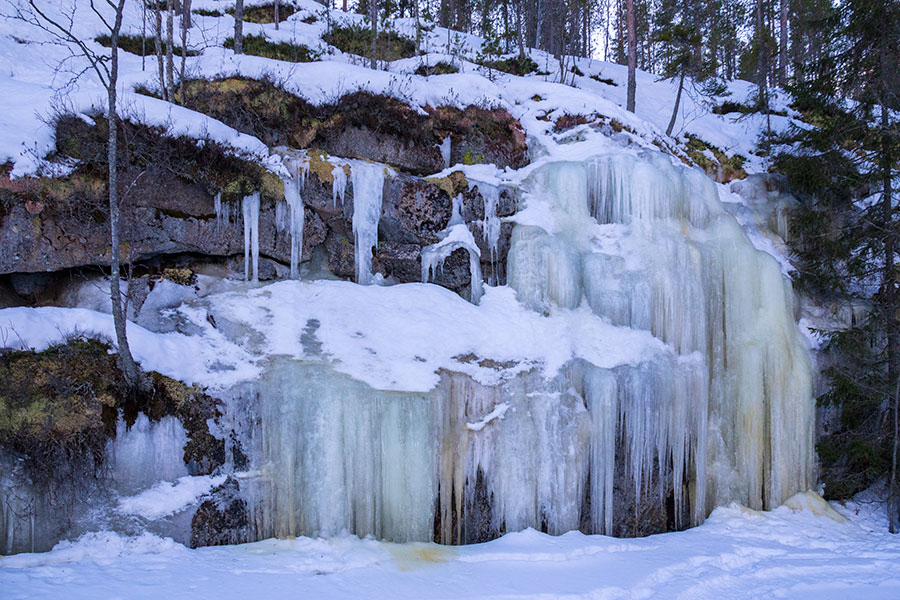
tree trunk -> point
(239, 27)
(890, 301)
(783, 43)
(276, 15)
(373, 15)
(632, 56)
(126, 361)
(160, 60)
(185, 27)
(170, 48)
(677, 102)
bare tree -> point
(373, 15)
(632, 55)
(185, 27)
(106, 67)
(239, 27)
(158, 47)
(170, 49)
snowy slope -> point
(798, 553)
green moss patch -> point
(519, 65)
(721, 167)
(63, 403)
(135, 44)
(357, 39)
(439, 68)
(258, 45)
(265, 13)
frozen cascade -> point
(368, 187)
(663, 255)
(725, 415)
(456, 236)
(298, 167)
(223, 212)
(146, 453)
(250, 209)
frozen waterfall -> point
(725, 415)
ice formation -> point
(339, 185)
(445, 151)
(721, 411)
(368, 186)
(250, 209)
(298, 167)
(726, 415)
(455, 237)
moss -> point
(607, 81)
(357, 39)
(321, 168)
(472, 159)
(135, 44)
(519, 65)
(722, 168)
(265, 13)
(181, 276)
(204, 12)
(440, 68)
(258, 45)
(453, 184)
(63, 403)
(148, 148)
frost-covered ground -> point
(796, 551)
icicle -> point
(217, 202)
(368, 187)
(250, 208)
(445, 151)
(433, 257)
(339, 185)
(293, 185)
(456, 216)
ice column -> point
(250, 208)
(368, 187)
(293, 185)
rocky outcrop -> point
(164, 216)
(363, 125)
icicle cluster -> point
(725, 415)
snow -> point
(167, 498)
(737, 553)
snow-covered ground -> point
(799, 550)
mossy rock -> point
(63, 403)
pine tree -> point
(846, 174)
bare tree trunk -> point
(170, 49)
(345, 5)
(632, 56)
(239, 27)
(185, 27)
(126, 361)
(276, 15)
(373, 14)
(677, 102)
(783, 43)
(520, 33)
(157, 41)
(418, 26)
(890, 301)
(143, 34)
